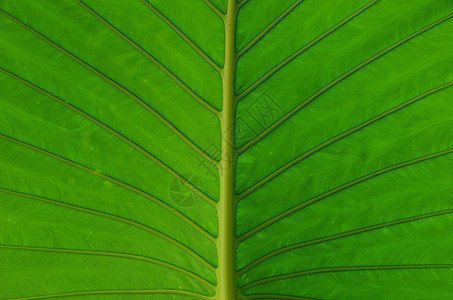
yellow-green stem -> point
(227, 242)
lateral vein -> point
(337, 138)
(338, 236)
(183, 36)
(116, 85)
(277, 296)
(301, 50)
(214, 9)
(268, 27)
(118, 292)
(335, 82)
(118, 219)
(115, 254)
(116, 134)
(242, 3)
(345, 269)
(151, 58)
(115, 181)
(338, 189)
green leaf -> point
(214, 149)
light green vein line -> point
(242, 3)
(345, 269)
(122, 138)
(214, 9)
(114, 254)
(338, 236)
(335, 82)
(335, 139)
(301, 50)
(151, 58)
(277, 296)
(268, 28)
(115, 181)
(182, 35)
(118, 292)
(116, 218)
(116, 85)
(338, 189)
(116, 134)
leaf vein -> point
(118, 219)
(151, 58)
(345, 269)
(214, 9)
(181, 34)
(268, 28)
(116, 85)
(115, 181)
(301, 50)
(341, 136)
(242, 3)
(277, 296)
(340, 235)
(335, 82)
(115, 254)
(116, 134)
(118, 292)
(338, 189)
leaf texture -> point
(214, 149)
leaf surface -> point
(196, 149)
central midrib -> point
(226, 209)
